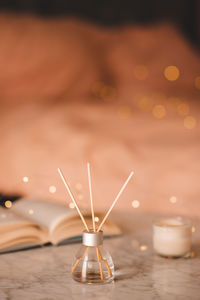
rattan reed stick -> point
(72, 197)
(114, 202)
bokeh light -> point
(159, 111)
(171, 73)
(52, 189)
(173, 199)
(31, 212)
(135, 203)
(190, 122)
(141, 72)
(192, 254)
(8, 203)
(71, 205)
(143, 247)
(96, 219)
(25, 179)
(193, 229)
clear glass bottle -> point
(92, 263)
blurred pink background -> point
(123, 98)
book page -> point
(16, 230)
(45, 213)
(9, 219)
(74, 228)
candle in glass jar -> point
(172, 237)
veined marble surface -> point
(42, 274)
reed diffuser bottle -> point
(92, 263)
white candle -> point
(172, 236)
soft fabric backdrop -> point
(71, 93)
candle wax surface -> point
(172, 237)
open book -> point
(31, 222)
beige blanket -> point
(72, 92)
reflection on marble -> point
(140, 274)
(97, 292)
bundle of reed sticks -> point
(99, 255)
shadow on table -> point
(125, 272)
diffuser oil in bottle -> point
(92, 263)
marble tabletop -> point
(44, 273)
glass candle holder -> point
(92, 263)
(172, 237)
